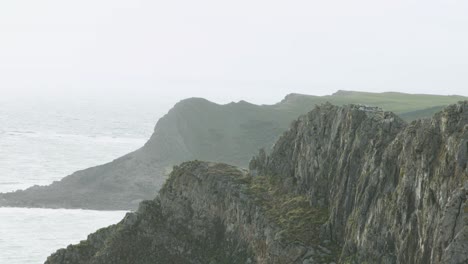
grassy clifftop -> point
(408, 106)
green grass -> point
(298, 221)
(400, 103)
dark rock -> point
(395, 192)
(204, 214)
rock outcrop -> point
(349, 184)
(396, 193)
(205, 213)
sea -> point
(45, 139)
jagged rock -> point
(395, 192)
(205, 213)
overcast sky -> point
(232, 50)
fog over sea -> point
(44, 139)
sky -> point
(256, 50)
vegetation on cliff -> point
(297, 219)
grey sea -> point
(45, 139)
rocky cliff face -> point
(396, 193)
(207, 213)
(349, 184)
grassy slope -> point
(233, 132)
(419, 105)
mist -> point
(262, 50)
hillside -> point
(342, 185)
(198, 129)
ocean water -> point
(45, 139)
(31, 235)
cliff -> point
(350, 184)
(396, 193)
(198, 129)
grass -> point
(298, 221)
(409, 106)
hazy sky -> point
(231, 50)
